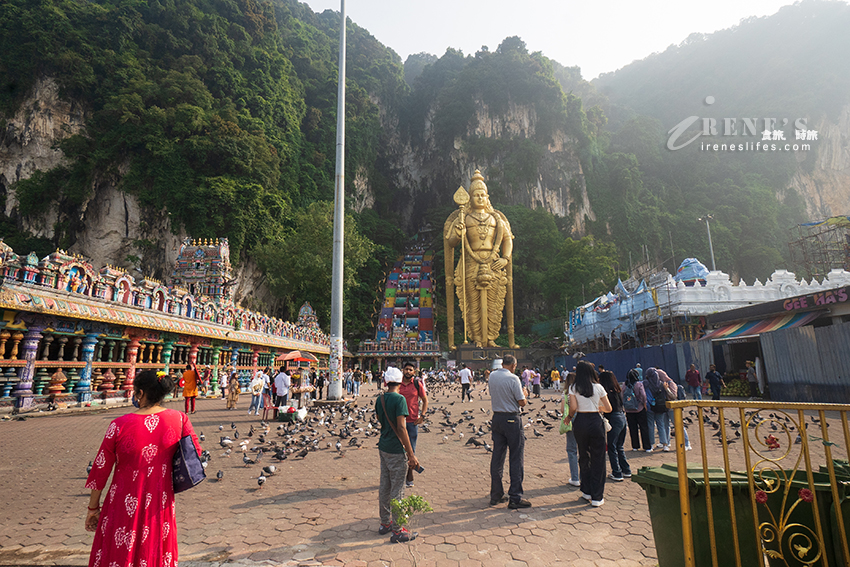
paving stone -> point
(308, 513)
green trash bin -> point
(661, 485)
(797, 545)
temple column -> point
(255, 360)
(84, 385)
(122, 349)
(132, 353)
(110, 350)
(23, 389)
(234, 361)
(216, 358)
(167, 351)
(193, 354)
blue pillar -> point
(83, 387)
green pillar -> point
(167, 349)
(216, 358)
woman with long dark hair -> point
(588, 400)
(136, 525)
(636, 411)
(617, 418)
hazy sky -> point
(598, 36)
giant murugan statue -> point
(483, 277)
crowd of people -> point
(599, 410)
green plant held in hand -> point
(404, 509)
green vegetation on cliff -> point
(222, 115)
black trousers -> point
(592, 450)
(507, 435)
(638, 430)
(464, 389)
(715, 391)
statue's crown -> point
(477, 182)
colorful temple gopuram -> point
(99, 327)
(406, 321)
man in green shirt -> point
(396, 454)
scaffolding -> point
(819, 247)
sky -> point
(599, 36)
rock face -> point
(825, 184)
(114, 228)
(427, 174)
(30, 137)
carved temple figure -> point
(483, 277)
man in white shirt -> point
(465, 382)
(281, 386)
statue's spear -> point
(461, 198)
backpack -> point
(630, 401)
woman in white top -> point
(588, 400)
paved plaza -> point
(323, 510)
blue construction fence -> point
(674, 359)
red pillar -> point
(193, 354)
(132, 355)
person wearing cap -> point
(396, 454)
(507, 396)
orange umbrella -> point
(297, 356)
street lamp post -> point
(707, 218)
(335, 363)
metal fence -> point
(774, 485)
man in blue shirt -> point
(507, 396)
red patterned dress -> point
(137, 526)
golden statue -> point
(484, 275)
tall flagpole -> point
(335, 386)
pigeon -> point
(537, 433)
(303, 453)
(232, 425)
(202, 437)
(219, 475)
(88, 468)
(246, 460)
(269, 470)
(221, 428)
(261, 480)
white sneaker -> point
(649, 450)
(587, 497)
(597, 503)
(688, 447)
(667, 448)
(575, 482)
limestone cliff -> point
(823, 174)
(30, 137)
(112, 226)
(427, 173)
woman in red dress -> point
(136, 526)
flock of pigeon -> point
(350, 425)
